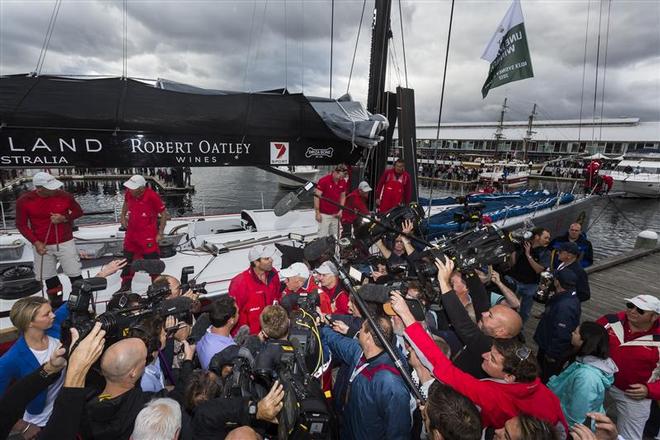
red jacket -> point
(638, 361)
(36, 210)
(354, 201)
(252, 296)
(498, 401)
(338, 298)
(311, 287)
(393, 189)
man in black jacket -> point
(111, 415)
(568, 256)
(499, 321)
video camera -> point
(118, 322)
(369, 232)
(469, 250)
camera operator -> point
(377, 397)
(499, 321)
(111, 415)
(528, 263)
(560, 318)
(216, 417)
(330, 285)
(402, 250)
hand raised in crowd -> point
(112, 267)
(444, 273)
(188, 350)
(401, 308)
(528, 248)
(56, 362)
(407, 226)
(605, 429)
(183, 332)
(84, 355)
(495, 278)
(340, 327)
(270, 406)
(57, 218)
(637, 391)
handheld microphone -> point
(291, 200)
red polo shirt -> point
(36, 210)
(354, 201)
(333, 191)
(143, 213)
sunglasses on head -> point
(633, 306)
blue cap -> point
(570, 247)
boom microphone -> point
(375, 293)
(152, 267)
(291, 200)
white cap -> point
(646, 302)
(46, 180)
(260, 251)
(295, 270)
(364, 187)
(135, 182)
(326, 268)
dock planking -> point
(611, 280)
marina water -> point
(613, 226)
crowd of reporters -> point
(459, 338)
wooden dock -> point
(611, 280)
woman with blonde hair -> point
(39, 334)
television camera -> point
(118, 321)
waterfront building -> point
(549, 139)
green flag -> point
(507, 51)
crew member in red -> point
(333, 187)
(592, 171)
(394, 187)
(356, 200)
(299, 281)
(634, 337)
(45, 216)
(255, 288)
(140, 216)
(330, 284)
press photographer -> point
(305, 412)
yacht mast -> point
(529, 134)
(499, 132)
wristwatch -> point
(252, 411)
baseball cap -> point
(260, 251)
(418, 312)
(326, 268)
(570, 247)
(364, 186)
(567, 279)
(295, 270)
(135, 182)
(646, 302)
(46, 180)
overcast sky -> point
(258, 45)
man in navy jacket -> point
(377, 398)
(560, 318)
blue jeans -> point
(526, 293)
